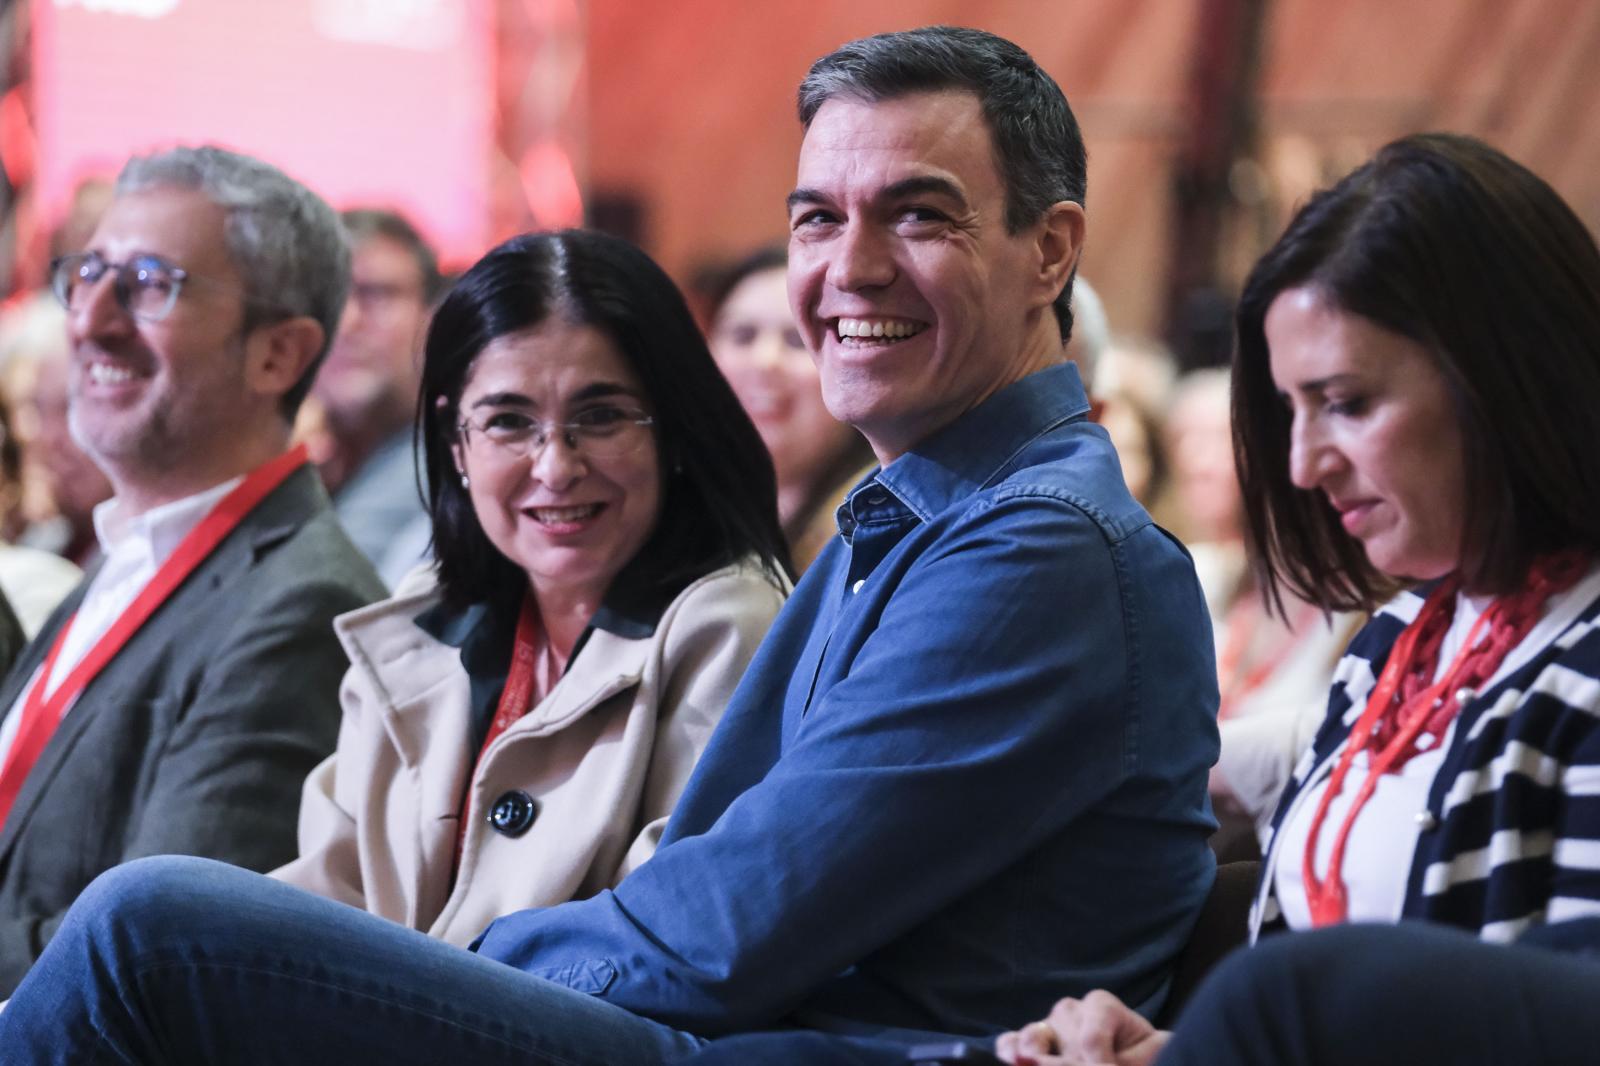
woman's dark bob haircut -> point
(719, 495)
(1446, 241)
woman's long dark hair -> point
(1444, 240)
(719, 495)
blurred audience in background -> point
(59, 484)
(367, 391)
(88, 202)
(1091, 334)
(1140, 367)
(1137, 432)
(1208, 513)
(31, 317)
(32, 581)
(1132, 383)
(755, 342)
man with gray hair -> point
(178, 697)
(965, 772)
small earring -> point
(465, 483)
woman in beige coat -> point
(520, 717)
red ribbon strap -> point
(40, 716)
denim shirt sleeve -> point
(994, 701)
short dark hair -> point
(1446, 241)
(1037, 143)
(724, 281)
(365, 223)
(719, 498)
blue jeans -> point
(179, 960)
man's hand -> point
(1097, 1030)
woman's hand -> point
(1097, 1030)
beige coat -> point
(605, 757)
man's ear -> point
(277, 355)
(1060, 244)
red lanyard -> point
(1406, 714)
(40, 715)
(516, 699)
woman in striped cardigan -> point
(1417, 426)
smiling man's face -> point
(148, 397)
(916, 302)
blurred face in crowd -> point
(370, 372)
(759, 349)
(1200, 442)
(916, 301)
(74, 482)
(149, 397)
(573, 512)
(1374, 430)
(1122, 422)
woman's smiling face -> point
(569, 518)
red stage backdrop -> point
(372, 102)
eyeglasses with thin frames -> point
(145, 286)
(602, 432)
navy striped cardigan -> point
(1511, 834)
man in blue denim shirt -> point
(964, 776)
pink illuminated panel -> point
(381, 102)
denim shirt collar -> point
(966, 455)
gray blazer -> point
(195, 739)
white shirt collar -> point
(159, 529)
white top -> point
(35, 582)
(134, 549)
(1383, 841)
(1377, 857)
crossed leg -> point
(180, 960)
